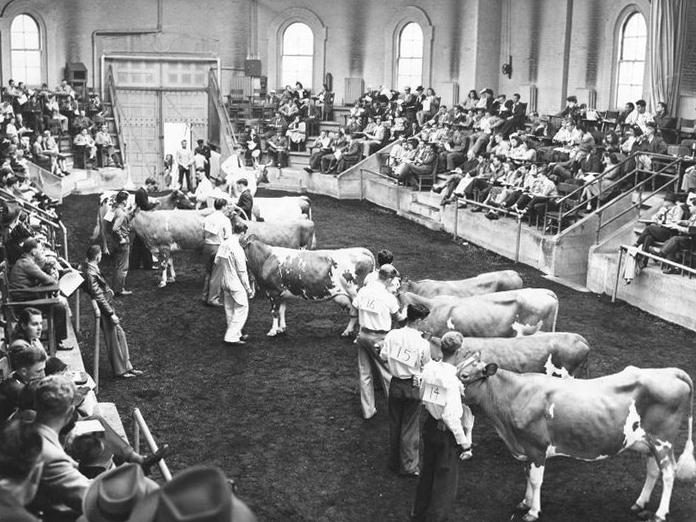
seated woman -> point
(114, 336)
(297, 134)
(603, 184)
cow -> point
(285, 207)
(486, 283)
(540, 417)
(315, 275)
(102, 230)
(501, 314)
(166, 231)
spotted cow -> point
(486, 283)
(315, 275)
(540, 417)
(501, 314)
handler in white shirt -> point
(216, 229)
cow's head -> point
(182, 201)
(473, 369)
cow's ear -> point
(490, 369)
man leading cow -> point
(216, 229)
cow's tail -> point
(555, 312)
(309, 206)
(313, 243)
(686, 465)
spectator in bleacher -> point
(20, 469)
(652, 143)
(52, 111)
(521, 185)
(662, 224)
(519, 151)
(454, 151)
(684, 239)
(571, 108)
(114, 335)
(629, 108)
(85, 145)
(603, 184)
(61, 483)
(215, 499)
(29, 327)
(629, 142)
(665, 124)
(32, 270)
(325, 100)
(485, 100)
(277, 148)
(495, 193)
(514, 120)
(543, 196)
(429, 106)
(424, 164)
(498, 105)
(329, 161)
(350, 154)
(28, 363)
(640, 116)
(539, 188)
(471, 101)
(275, 124)
(498, 146)
(105, 148)
(121, 228)
(32, 111)
(375, 140)
(94, 104)
(320, 147)
(58, 159)
(184, 159)
(297, 134)
(80, 123)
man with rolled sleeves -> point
(376, 306)
(405, 351)
(444, 440)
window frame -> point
(399, 57)
(38, 49)
(283, 54)
(392, 36)
(620, 29)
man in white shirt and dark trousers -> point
(216, 229)
(376, 306)
(444, 440)
(235, 285)
(405, 352)
(184, 159)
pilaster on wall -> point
(487, 42)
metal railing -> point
(116, 112)
(215, 94)
(623, 251)
(97, 343)
(140, 427)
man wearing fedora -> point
(200, 493)
(113, 495)
(20, 469)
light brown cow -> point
(486, 283)
(501, 314)
(166, 231)
(540, 417)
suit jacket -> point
(12, 511)
(142, 200)
(26, 273)
(97, 288)
(61, 482)
(246, 202)
(353, 152)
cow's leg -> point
(281, 316)
(275, 329)
(534, 480)
(164, 263)
(171, 279)
(653, 471)
(345, 302)
(668, 467)
(523, 506)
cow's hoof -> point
(282, 332)
(657, 519)
(272, 333)
(522, 507)
(172, 280)
(161, 284)
(530, 518)
(346, 333)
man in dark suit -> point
(20, 469)
(204, 150)
(350, 156)
(29, 364)
(246, 200)
(515, 120)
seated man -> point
(278, 150)
(538, 192)
(84, 143)
(31, 270)
(28, 363)
(350, 155)
(320, 147)
(20, 469)
(661, 227)
(423, 165)
(105, 147)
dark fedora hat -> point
(200, 494)
(112, 495)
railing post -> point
(77, 310)
(97, 339)
(518, 240)
(455, 228)
(618, 274)
(138, 420)
(136, 431)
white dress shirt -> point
(375, 306)
(216, 228)
(405, 352)
(442, 396)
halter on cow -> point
(540, 417)
(315, 275)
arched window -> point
(25, 44)
(410, 58)
(297, 55)
(631, 69)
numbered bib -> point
(407, 356)
(369, 305)
(211, 227)
(434, 393)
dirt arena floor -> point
(282, 417)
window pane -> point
(298, 39)
(24, 33)
(411, 41)
(633, 49)
(409, 73)
(297, 69)
(635, 25)
(631, 67)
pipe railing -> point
(97, 342)
(116, 112)
(140, 427)
(623, 251)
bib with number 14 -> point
(434, 393)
